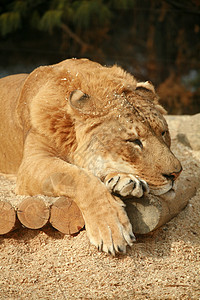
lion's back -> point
(11, 134)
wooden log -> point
(149, 213)
(66, 216)
(7, 217)
(33, 212)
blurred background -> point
(156, 40)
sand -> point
(45, 264)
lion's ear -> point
(147, 85)
(146, 90)
(79, 101)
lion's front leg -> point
(126, 184)
(41, 172)
(107, 224)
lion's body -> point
(76, 127)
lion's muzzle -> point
(174, 175)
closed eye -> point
(136, 142)
(164, 133)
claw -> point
(110, 251)
(145, 186)
(119, 249)
(100, 247)
(132, 237)
(111, 179)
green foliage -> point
(9, 22)
(50, 20)
(87, 13)
(49, 14)
(20, 7)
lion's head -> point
(103, 120)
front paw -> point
(126, 185)
(109, 229)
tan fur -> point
(72, 129)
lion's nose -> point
(173, 176)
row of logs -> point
(145, 214)
(35, 212)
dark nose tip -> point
(173, 176)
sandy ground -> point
(45, 264)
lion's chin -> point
(166, 192)
(169, 195)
